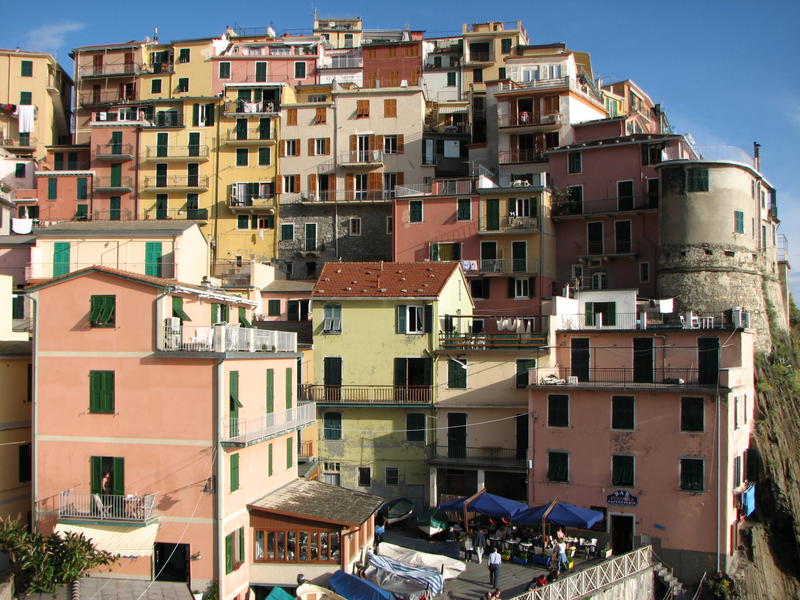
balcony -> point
(643, 320)
(164, 120)
(527, 155)
(509, 224)
(252, 203)
(340, 62)
(503, 266)
(488, 456)
(225, 338)
(621, 247)
(19, 143)
(195, 153)
(306, 450)
(339, 196)
(477, 58)
(362, 158)
(260, 108)
(368, 395)
(439, 187)
(113, 184)
(620, 376)
(491, 341)
(571, 83)
(245, 432)
(175, 183)
(603, 206)
(47, 270)
(112, 70)
(96, 98)
(524, 121)
(113, 152)
(166, 214)
(111, 508)
(254, 136)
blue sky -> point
(724, 70)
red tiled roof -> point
(382, 279)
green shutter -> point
(234, 389)
(289, 448)
(610, 318)
(401, 318)
(263, 157)
(270, 391)
(152, 259)
(95, 473)
(101, 391)
(261, 71)
(427, 326)
(589, 314)
(101, 312)
(195, 115)
(269, 460)
(234, 472)
(274, 308)
(26, 68)
(225, 312)
(61, 258)
(82, 188)
(177, 309)
(52, 188)
(214, 313)
(241, 545)
(289, 386)
(456, 373)
(229, 553)
(119, 476)
(243, 317)
(26, 98)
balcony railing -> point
(376, 395)
(643, 320)
(107, 507)
(198, 152)
(358, 157)
(558, 82)
(176, 182)
(507, 157)
(337, 62)
(106, 97)
(259, 107)
(508, 457)
(163, 120)
(226, 338)
(491, 341)
(603, 205)
(526, 119)
(20, 142)
(353, 196)
(439, 187)
(509, 224)
(249, 431)
(620, 376)
(111, 69)
(247, 201)
(251, 135)
(113, 151)
(124, 183)
(164, 214)
(306, 450)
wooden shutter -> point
(321, 115)
(195, 115)
(269, 460)
(353, 143)
(289, 447)
(312, 183)
(400, 143)
(234, 475)
(374, 181)
(401, 318)
(400, 365)
(378, 142)
(229, 553)
(428, 325)
(95, 473)
(398, 178)
(291, 116)
(282, 148)
(327, 146)
(289, 385)
(372, 145)
(311, 146)
(279, 184)
(589, 314)
(350, 185)
(389, 108)
(296, 181)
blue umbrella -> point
(486, 504)
(562, 514)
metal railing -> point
(618, 375)
(176, 181)
(339, 196)
(525, 119)
(603, 205)
(362, 156)
(164, 214)
(473, 454)
(246, 431)
(265, 199)
(306, 449)
(188, 151)
(28, 142)
(106, 97)
(260, 107)
(643, 320)
(439, 187)
(520, 156)
(112, 183)
(340, 62)
(491, 341)
(107, 507)
(557, 82)
(113, 150)
(252, 134)
(589, 581)
(782, 247)
(111, 69)
(226, 338)
(508, 223)
(368, 394)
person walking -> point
(562, 556)
(468, 548)
(479, 544)
(494, 567)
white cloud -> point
(49, 38)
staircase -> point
(676, 589)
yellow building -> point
(375, 407)
(33, 79)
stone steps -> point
(664, 573)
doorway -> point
(621, 534)
(457, 435)
(580, 358)
(171, 562)
(643, 360)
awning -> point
(129, 542)
(452, 109)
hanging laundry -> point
(25, 113)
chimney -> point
(757, 156)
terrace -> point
(368, 395)
(224, 338)
(114, 508)
(245, 432)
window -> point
(26, 68)
(364, 476)
(102, 311)
(183, 84)
(451, 79)
(25, 462)
(25, 98)
(224, 70)
(392, 475)
(736, 412)
(321, 146)
(697, 179)
(101, 392)
(644, 272)
(362, 108)
(289, 452)
(269, 461)
(415, 427)
(738, 221)
(574, 165)
(692, 414)
(316, 98)
(291, 184)
(558, 410)
(291, 147)
(523, 364)
(234, 464)
(692, 474)
(457, 373)
(480, 288)
(355, 226)
(155, 86)
(332, 426)
(445, 251)
(241, 157)
(332, 322)
(600, 314)
(389, 108)
(287, 232)
(558, 466)
(390, 144)
(274, 308)
(183, 55)
(737, 471)
(622, 470)
(414, 319)
(622, 416)
(107, 475)
(264, 157)
(19, 170)
(477, 75)
(415, 211)
(300, 70)
(242, 222)
(464, 210)
(505, 45)
(52, 188)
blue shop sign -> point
(622, 498)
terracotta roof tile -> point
(382, 279)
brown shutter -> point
(331, 183)
(312, 183)
(374, 182)
(279, 185)
(353, 143)
(399, 178)
(350, 186)
(296, 179)
(372, 145)
(311, 146)
(327, 146)
(378, 142)
(320, 117)
(291, 116)
(400, 143)
(282, 148)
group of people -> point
(558, 552)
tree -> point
(41, 562)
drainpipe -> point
(136, 174)
(34, 410)
(219, 542)
(335, 169)
(719, 461)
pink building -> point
(646, 416)
(160, 418)
(606, 202)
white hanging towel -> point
(520, 326)
(666, 305)
(25, 114)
